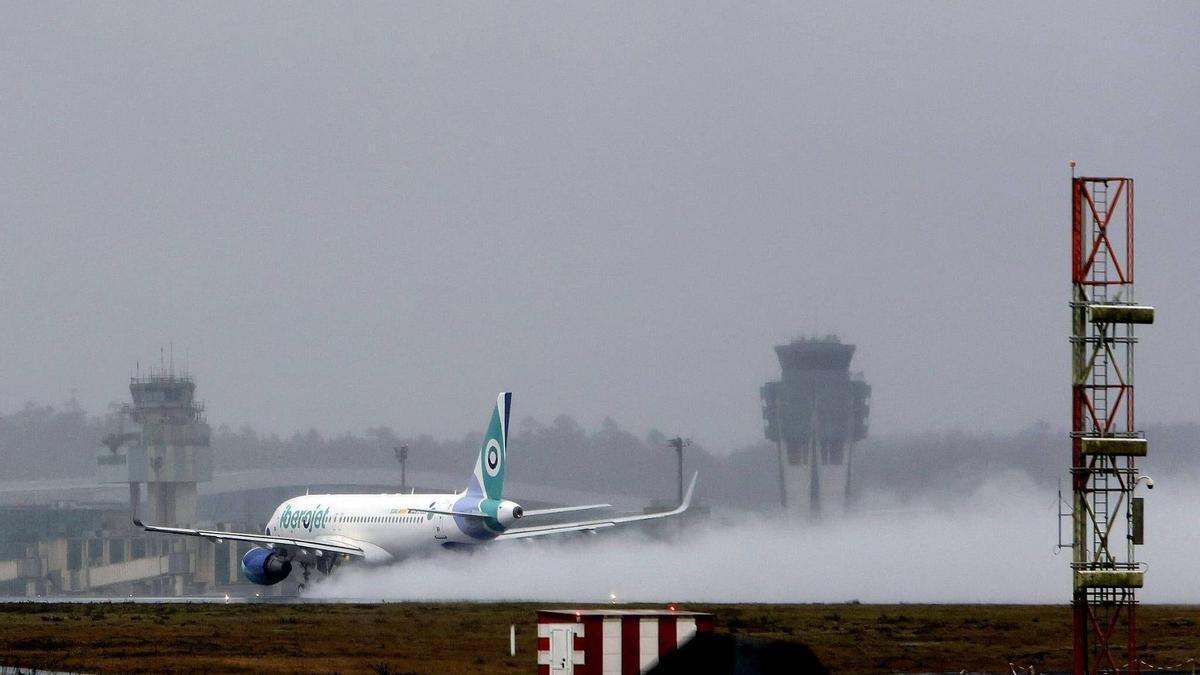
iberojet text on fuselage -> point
(312, 519)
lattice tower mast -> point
(1105, 443)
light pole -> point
(679, 443)
(402, 457)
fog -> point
(354, 224)
(998, 546)
(346, 216)
(938, 517)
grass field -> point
(473, 638)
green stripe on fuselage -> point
(491, 507)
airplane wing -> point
(533, 512)
(592, 525)
(301, 545)
(564, 509)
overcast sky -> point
(354, 215)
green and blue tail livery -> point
(487, 482)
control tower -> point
(170, 452)
(814, 414)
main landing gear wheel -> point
(307, 568)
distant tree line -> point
(42, 441)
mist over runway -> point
(998, 546)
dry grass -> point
(473, 638)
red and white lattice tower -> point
(1105, 443)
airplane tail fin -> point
(488, 480)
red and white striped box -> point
(612, 641)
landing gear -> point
(307, 569)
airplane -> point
(322, 530)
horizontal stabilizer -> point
(440, 512)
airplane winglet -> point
(687, 498)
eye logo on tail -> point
(493, 457)
(485, 490)
(487, 481)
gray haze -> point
(996, 546)
(356, 215)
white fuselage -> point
(381, 524)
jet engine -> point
(264, 566)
